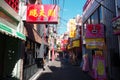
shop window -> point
(30, 2)
(89, 20)
(100, 17)
(13, 4)
(94, 17)
(29, 56)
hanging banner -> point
(42, 13)
(94, 31)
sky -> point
(68, 9)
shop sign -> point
(72, 33)
(76, 43)
(64, 41)
(62, 47)
(42, 13)
(95, 43)
(99, 72)
(72, 28)
(69, 47)
(94, 31)
(116, 25)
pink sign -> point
(94, 31)
(99, 71)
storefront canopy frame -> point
(9, 31)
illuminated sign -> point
(42, 13)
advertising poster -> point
(99, 71)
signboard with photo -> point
(94, 31)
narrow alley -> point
(59, 39)
(59, 70)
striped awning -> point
(9, 31)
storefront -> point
(75, 53)
(10, 56)
(95, 13)
(116, 57)
(35, 47)
(32, 46)
(11, 42)
(95, 43)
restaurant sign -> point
(94, 31)
(42, 13)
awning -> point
(9, 31)
(32, 34)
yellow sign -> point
(72, 28)
(69, 47)
(100, 68)
(76, 43)
(95, 43)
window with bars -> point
(13, 4)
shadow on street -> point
(64, 71)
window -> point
(94, 18)
(89, 20)
(100, 15)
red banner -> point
(42, 13)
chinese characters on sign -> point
(42, 13)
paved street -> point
(58, 70)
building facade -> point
(101, 12)
(12, 40)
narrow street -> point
(58, 70)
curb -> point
(38, 73)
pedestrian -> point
(43, 63)
(85, 67)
